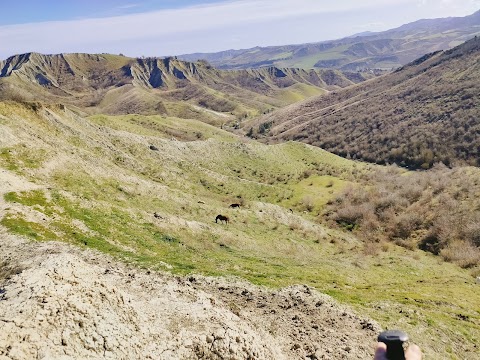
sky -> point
(173, 27)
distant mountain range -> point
(426, 112)
(421, 114)
(112, 84)
(382, 50)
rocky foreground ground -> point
(59, 302)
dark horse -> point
(221, 218)
(235, 205)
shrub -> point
(471, 232)
(306, 174)
(308, 204)
(371, 248)
(431, 243)
(462, 253)
(351, 216)
(264, 127)
(405, 224)
(441, 204)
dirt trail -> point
(61, 302)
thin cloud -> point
(58, 34)
(127, 6)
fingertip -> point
(381, 346)
(413, 352)
(380, 351)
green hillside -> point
(147, 189)
(424, 113)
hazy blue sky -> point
(172, 27)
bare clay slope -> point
(112, 84)
(423, 113)
(60, 302)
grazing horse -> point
(235, 205)
(221, 218)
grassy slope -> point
(100, 185)
(422, 114)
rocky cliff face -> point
(102, 83)
(68, 72)
(72, 71)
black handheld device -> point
(394, 340)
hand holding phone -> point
(391, 347)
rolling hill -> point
(120, 185)
(112, 176)
(383, 50)
(112, 84)
(423, 113)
